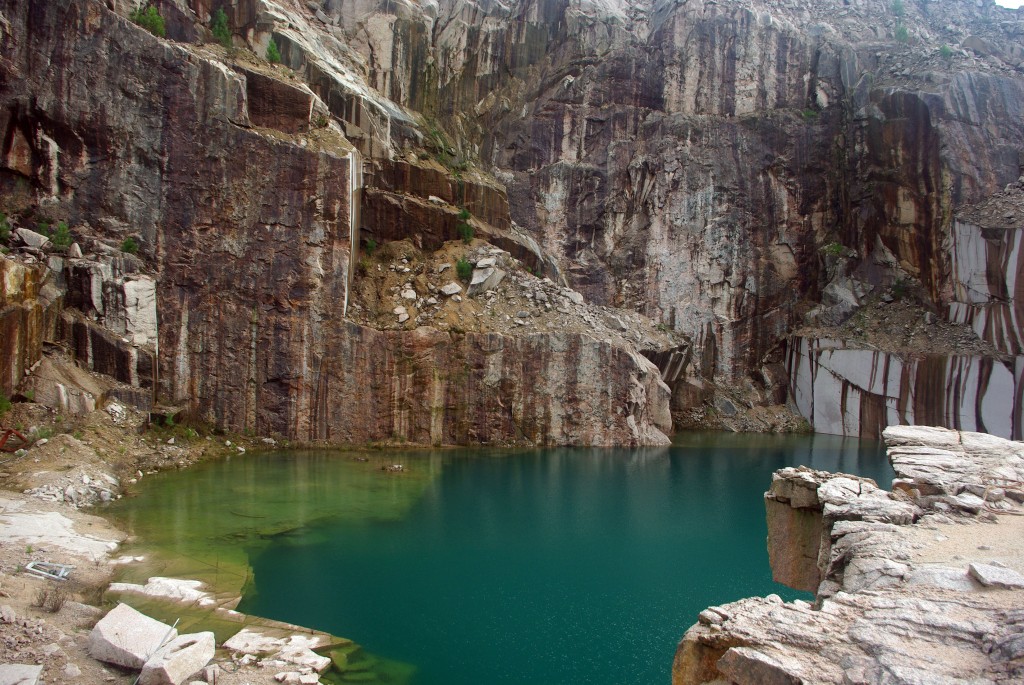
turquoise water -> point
(547, 567)
(537, 567)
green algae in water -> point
(536, 567)
(203, 523)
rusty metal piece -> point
(7, 433)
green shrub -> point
(946, 52)
(219, 28)
(464, 229)
(129, 245)
(273, 54)
(150, 20)
(897, 8)
(62, 236)
(902, 34)
(5, 404)
(832, 249)
(464, 268)
(371, 247)
(809, 114)
(5, 228)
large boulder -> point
(128, 638)
(175, 662)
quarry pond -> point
(524, 567)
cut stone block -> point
(175, 662)
(128, 638)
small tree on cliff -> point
(273, 54)
(464, 269)
(149, 19)
(219, 28)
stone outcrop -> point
(915, 585)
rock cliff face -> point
(699, 161)
(716, 147)
(239, 185)
(921, 584)
(702, 163)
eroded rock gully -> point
(921, 584)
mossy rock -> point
(367, 664)
(344, 657)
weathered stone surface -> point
(846, 389)
(178, 659)
(29, 315)
(995, 576)
(19, 674)
(31, 238)
(175, 589)
(128, 638)
(264, 641)
(485, 279)
(745, 666)
(304, 657)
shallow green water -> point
(541, 567)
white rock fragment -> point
(128, 638)
(31, 238)
(19, 674)
(176, 661)
(484, 280)
(994, 576)
(304, 657)
(451, 288)
(175, 589)
(254, 641)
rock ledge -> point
(922, 584)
